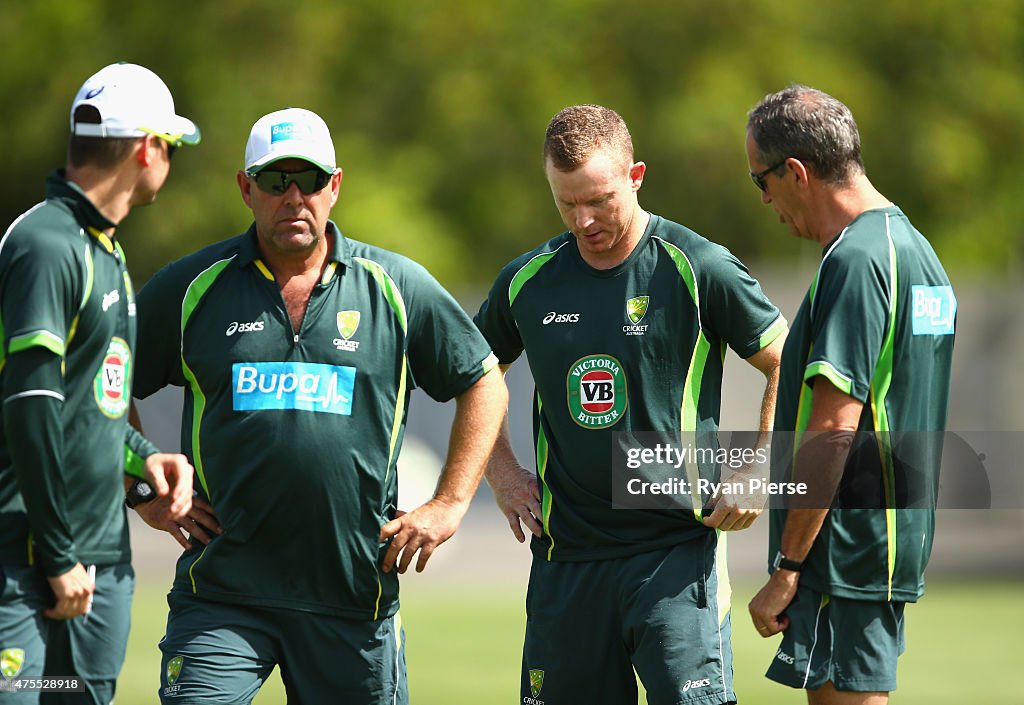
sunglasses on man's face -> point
(276, 183)
(758, 176)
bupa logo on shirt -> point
(306, 386)
(288, 131)
(934, 310)
(596, 391)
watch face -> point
(143, 490)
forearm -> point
(820, 463)
(136, 449)
(503, 457)
(768, 362)
(478, 417)
(33, 401)
(766, 419)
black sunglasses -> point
(277, 182)
(758, 177)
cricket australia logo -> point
(636, 309)
(174, 669)
(596, 391)
(172, 673)
(536, 684)
(348, 322)
(11, 662)
(111, 387)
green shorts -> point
(90, 648)
(217, 653)
(664, 613)
(852, 643)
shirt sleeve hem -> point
(846, 385)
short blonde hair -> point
(576, 133)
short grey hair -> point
(811, 126)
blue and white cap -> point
(292, 133)
(132, 102)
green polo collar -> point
(58, 188)
(249, 251)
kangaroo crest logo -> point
(348, 321)
(536, 681)
(636, 308)
(174, 669)
(11, 661)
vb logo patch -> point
(348, 322)
(111, 387)
(174, 669)
(596, 391)
(11, 662)
(536, 681)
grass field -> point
(464, 647)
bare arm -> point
(515, 488)
(736, 512)
(478, 415)
(819, 463)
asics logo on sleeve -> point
(111, 298)
(700, 683)
(236, 327)
(305, 386)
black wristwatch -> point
(139, 492)
(786, 563)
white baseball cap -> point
(292, 133)
(132, 102)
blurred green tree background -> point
(438, 111)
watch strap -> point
(786, 563)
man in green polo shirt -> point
(297, 348)
(625, 319)
(67, 311)
(865, 375)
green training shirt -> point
(295, 437)
(878, 322)
(66, 303)
(638, 347)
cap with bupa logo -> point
(132, 102)
(292, 133)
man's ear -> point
(799, 169)
(142, 155)
(245, 187)
(335, 186)
(636, 175)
